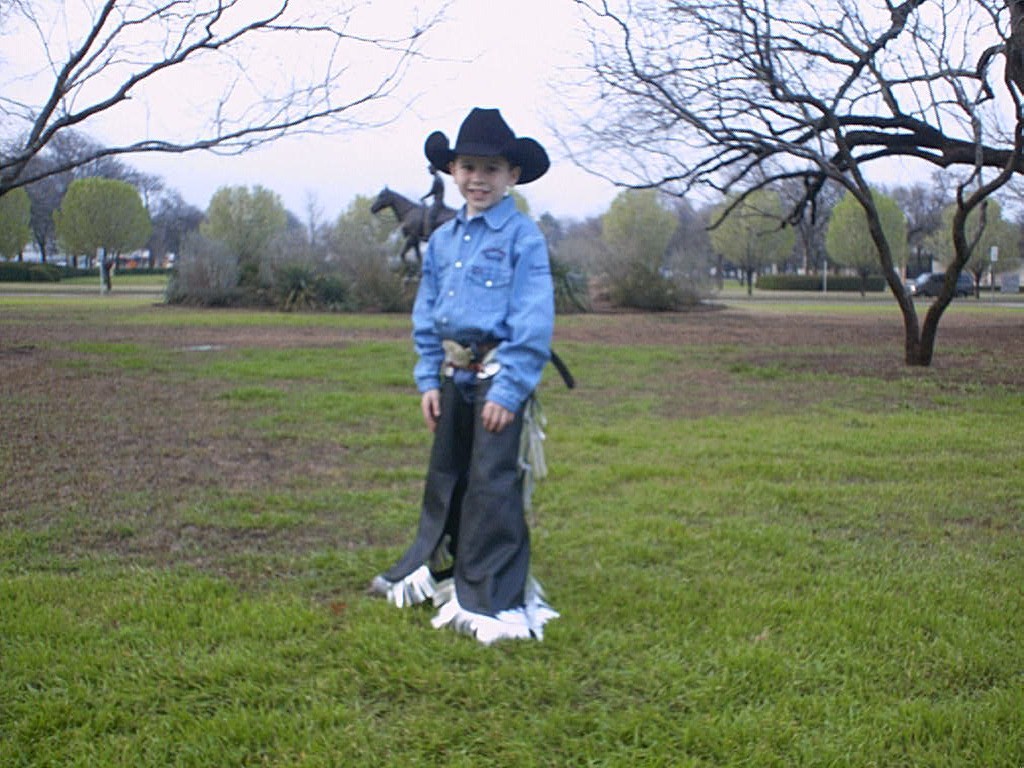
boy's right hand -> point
(430, 404)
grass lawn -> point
(770, 542)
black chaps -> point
(471, 523)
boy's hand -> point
(495, 417)
(430, 404)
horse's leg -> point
(410, 244)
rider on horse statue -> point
(437, 205)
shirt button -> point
(451, 293)
(488, 283)
(458, 265)
(466, 238)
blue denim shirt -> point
(487, 278)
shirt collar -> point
(496, 216)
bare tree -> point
(812, 223)
(690, 249)
(737, 95)
(257, 72)
(173, 220)
(923, 206)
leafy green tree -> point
(15, 223)
(637, 230)
(103, 216)
(985, 229)
(63, 160)
(246, 220)
(849, 240)
(752, 235)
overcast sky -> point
(484, 54)
(503, 56)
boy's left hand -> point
(495, 417)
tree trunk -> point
(106, 267)
(918, 345)
(1015, 44)
(919, 339)
(918, 348)
(927, 344)
(40, 246)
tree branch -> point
(129, 48)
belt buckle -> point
(489, 370)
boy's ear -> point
(516, 170)
(451, 167)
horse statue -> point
(413, 219)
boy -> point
(482, 325)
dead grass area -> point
(107, 461)
(110, 463)
(988, 350)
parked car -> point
(930, 284)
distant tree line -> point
(648, 251)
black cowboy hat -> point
(484, 133)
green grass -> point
(828, 580)
(120, 280)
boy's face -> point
(482, 181)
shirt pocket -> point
(488, 290)
(490, 276)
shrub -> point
(571, 293)
(294, 287)
(332, 293)
(299, 285)
(205, 273)
(642, 285)
(374, 284)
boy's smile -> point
(483, 181)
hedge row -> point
(34, 272)
(29, 272)
(838, 283)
